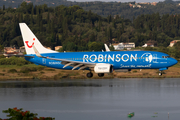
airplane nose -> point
(174, 61)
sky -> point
(121, 0)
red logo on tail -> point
(29, 46)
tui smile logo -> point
(29, 46)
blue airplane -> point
(99, 62)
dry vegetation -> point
(28, 72)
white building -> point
(121, 46)
(173, 42)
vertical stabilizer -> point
(30, 39)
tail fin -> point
(30, 39)
(106, 47)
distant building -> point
(121, 46)
(145, 45)
(128, 46)
(118, 46)
(154, 3)
(144, 3)
(58, 47)
(28, 1)
(150, 43)
(173, 42)
(12, 51)
(22, 49)
(130, 5)
(134, 6)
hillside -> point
(78, 30)
(125, 10)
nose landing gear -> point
(160, 73)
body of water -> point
(95, 99)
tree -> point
(95, 46)
(4, 7)
(1, 47)
(111, 48)
(177, 50)
(168, 1)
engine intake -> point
(103, 68)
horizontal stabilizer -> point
(28, 56)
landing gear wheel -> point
(160, 73)
(100, 74)
(89, 74)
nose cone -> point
(173, 61)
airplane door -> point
(154, 58)
(44, 60)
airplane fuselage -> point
(119, 59)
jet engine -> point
(103, 68)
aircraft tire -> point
(89, 75)
(100, 74)
(160, 73)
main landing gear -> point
(160, 73)
(89, 74)
(100, 74)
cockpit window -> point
(165, 56)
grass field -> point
(32, 71)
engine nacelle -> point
(103, 68)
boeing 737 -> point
(99, 62)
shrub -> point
(2, 74)
(18, 114)
(25, 69)
(19, 64)
(33, 69)
(28, 69)
(12, 71)
(2, 56)
(42, 72)
(13, 61)
(39, 68)
(50, 69)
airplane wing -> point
(65, 62)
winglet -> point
(106, 47)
